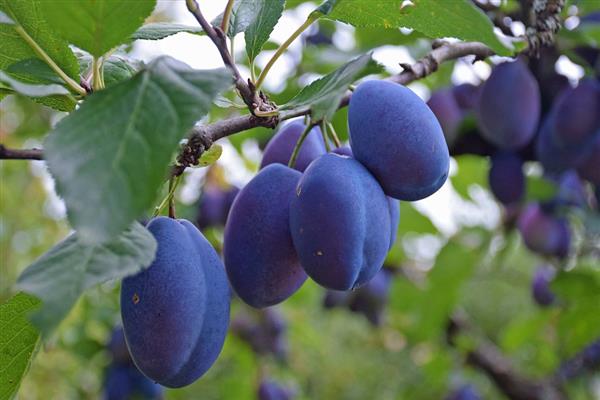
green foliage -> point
(95, 26)
(61, 275)
(472, 170)
(434, 18)
(28, 15)
(32, 90)
(18, 342)
(138, 123)
(258, 32)
(428, 305)
(161, 30)
(323, 95)
(116, 68)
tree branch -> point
(488, 358)
(219, 38)
(202, 137)
(20, 154)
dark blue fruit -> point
(576, 116)
(467, 96)
(506, 177)
(540, 286)
(176, 312)
(394, 206)
(264, 331)
(125, 382)
(571, 191)
(465, 392)
(340, 222)
(398, 138)
(280, 147)
(271, 390)
(446, 109)
(118, 348)
(393, 203)
(556, 158)
(214, 205)
(509, 106)
(543, 233)
(371, 299)
(589, 168)
(260, 259)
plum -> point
(398, 139)
(176, 312)
(340, 222)
(394, 205)
(214, 205)
(280, 147)
(543, 233)
(446, 109)
(540, 286)
(509, 106)
(506, 177)
(259, 255)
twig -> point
(202, 137)
(218, 37)
(20, 154)
(488, 358)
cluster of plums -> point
(564, 138)
(332, 217)
(123, 381)
(335, 215)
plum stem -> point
(299, 144)
(281, 49)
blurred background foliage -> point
(474, 266)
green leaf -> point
(539, 188)
(210, 156)
(96, 25)
(34, 70)
(412, 220)
(327, 6)
(18, 342)
(243, 13)
(433, 18)
(61, 275)
(472, 170)
(115, 68)
(28, 15)
(578, 293)
(428, 307)
(323, 96)
(260, 29)
(110, 156)
(161, 30)
(32, 90)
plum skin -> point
(340, 222)
(259, 255)
(543, 233)
(176, 312)
(281, 146)
(398, 139)
(506, 177)
(509, 106)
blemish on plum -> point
(135, 298)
